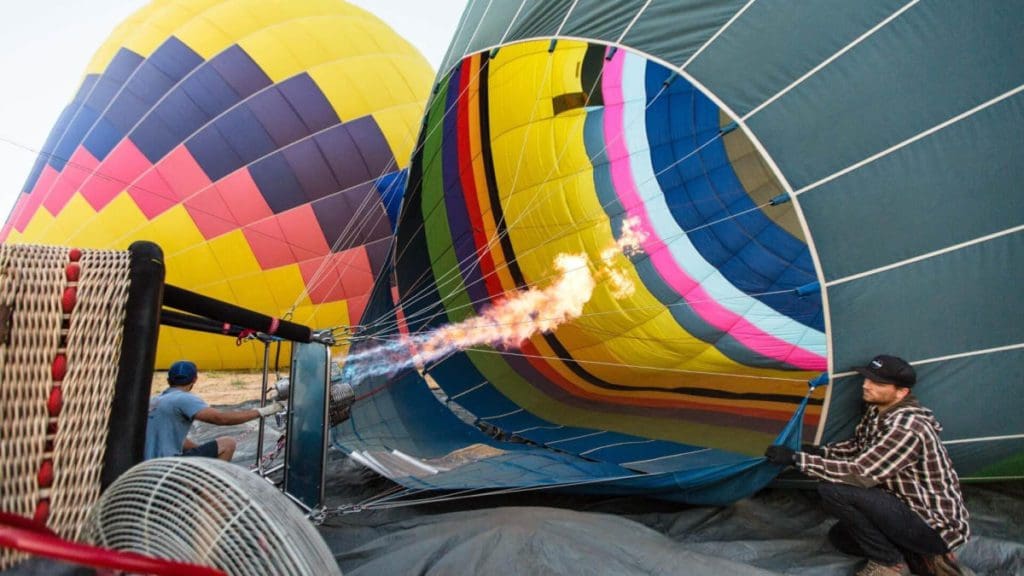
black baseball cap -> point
(889, 370)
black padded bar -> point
(126, 439)
(177, 319)
(200, 305)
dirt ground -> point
(221, 387)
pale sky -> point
(46, 45)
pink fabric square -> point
(182, 173)
(25, 209)
(210, 213)
(78, 168)
(117, 172)
(54, 203)
(302, 232)
(268, 244)
(243, 197)
(152, 194)
(345, 275)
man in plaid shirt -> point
(892, 485)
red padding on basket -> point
(45, 475)
(55, 402)
(59, 367)
(75, 255)
(69, 299)
(72, 272)
(42, 513)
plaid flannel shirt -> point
(900, 451)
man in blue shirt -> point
(171, 414)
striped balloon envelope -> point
(810, 184)
(261, 143)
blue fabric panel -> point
(391, 188)
(245, 135)
(240, 71)
(311, 170)
(550, 432)
(351, 218)
(102, 138)
(171, 123)
(214, 153)
(535, 467)
(640, 449)
(591, 440)
(211, 93)
(278, 118)
(373, 147)
(126, 112)
(175, 59)
(63, 121)
(83, 120)
(750, 250)
(681, 312)
(276, 181)
(305, 97)
(343, 156)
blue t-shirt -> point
(170, 417)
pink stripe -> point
(669, 270)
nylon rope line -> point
(180, 83)
(451, 274)
(921, 135)
(594, 87)
(830, 59)
(717, 33)
(926, 256)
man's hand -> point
(813, 449)
(780, 455)
(272, 408)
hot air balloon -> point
(814, 184)
(260, 143)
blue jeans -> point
(876, 524)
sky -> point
(45, 46)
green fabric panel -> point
(886, 89)
(600, 19)
(1012, 467)
(443, 260)
(483, 25)
(966, 300)
(539, 19)
(774, 43)
(524, 395)
(949, 388)
(955, 185)
(661, 32)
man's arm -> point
(897, 449)
(842, 449)
(212, 415)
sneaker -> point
(873, 568)
(941, 565)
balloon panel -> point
(262, 154)
(529, 154)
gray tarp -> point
(777, 531)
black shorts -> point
(206, 450)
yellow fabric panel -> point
(196, 268)
(109, 226)
(296, 46)
(101, 59)
(400, 126)
(320, 316)
(553, 208)
(287, 284)
(234, 255)
(38, 226)
(229, 22)
(173, 231)
(256, 294)
(208, 351)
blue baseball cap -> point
(182, 372)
